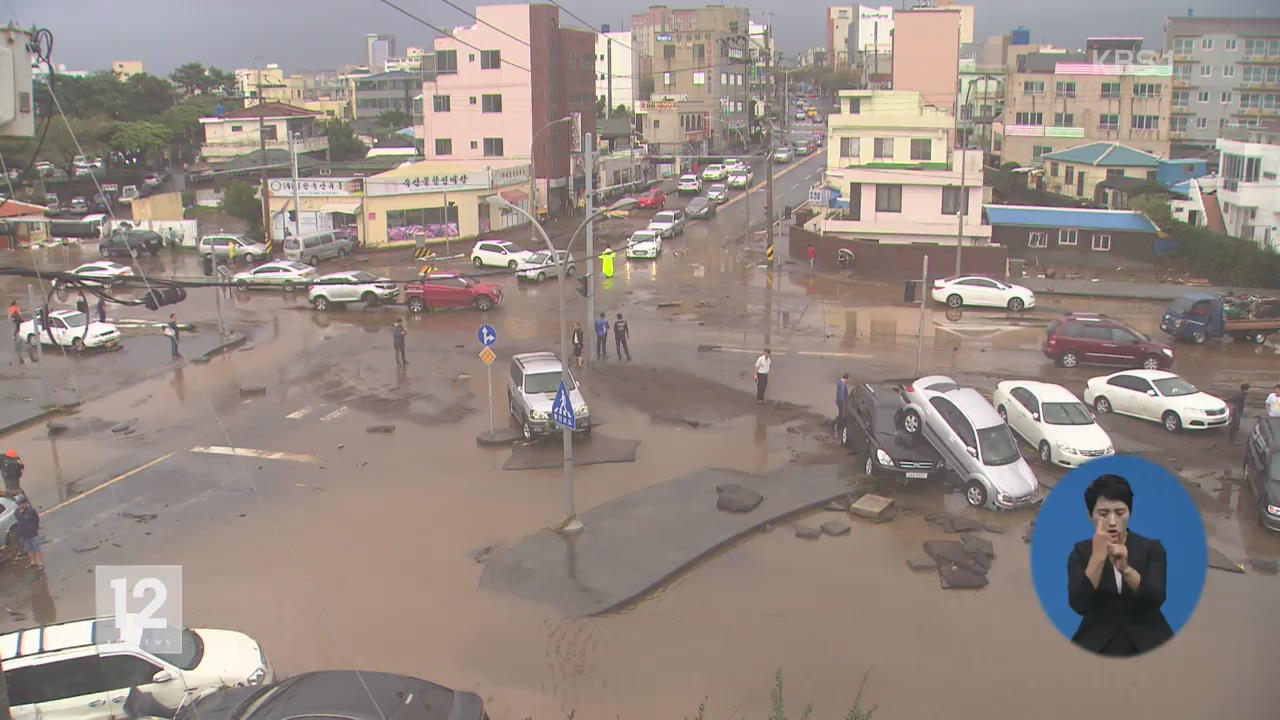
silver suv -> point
(220, 246)
(531, 390)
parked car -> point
(739, 178)
(668, 223)
(871, 426)
(285, 274)
(449, 290)
(979, 291)
(151, 180)
(1078, 338)
(801, 115)
(1199, 317)
(52, 202)
(131, 242)
(1053, 421)
(1262, 470)
(82, 670)
(718, 193)
(531, 390)
(644, 244)
(1158, 396)
(349, 287)
(972, 439)
(79, 204)
(219, 246)
(541, 265)
(652, 199)
(700, 207)
(10, 543)
(498, 253)
(69, 329)
(783, 155)
(689, 185)
(101, 201)
(311, 248)
(129, 193)
(101, 272)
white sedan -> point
(1053, 421)
(982, 292)
(644, 244)
(1159, 396)
(283, 273)
(102, 272)
(70, 328)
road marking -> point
(858, 356)
(335, 414)
(299, 414)
(250, 452)
(109, 483)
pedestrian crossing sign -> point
(488, 356)
(562, 409)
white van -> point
(311, 248)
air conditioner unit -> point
(17, 111)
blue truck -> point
(1200, 317)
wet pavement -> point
(336, 547)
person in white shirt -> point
(1273, 403)
(762, 374)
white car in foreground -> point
(350, 287)
(70, 328)
(644, 244)
(668, 223)
(981, 291)
(1159, 396)
(1053, 421)
(283, 273)
(103, 272)
(498, 253)
(541, 266)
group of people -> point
(621, 339)
(1236, 402)
(26, 518)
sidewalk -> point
(1119, 289)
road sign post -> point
(562, 409)
(488, 336)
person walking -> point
(621, 334)
(812, 254)
(102, 309)
(28, 525)
(602, 337)
(11, 466)
(763, 363)
(1273, 403)
(171, 330)
(578, 341)
(842, 397)
(397, 341)
(1236, 401)
(15, 316)
(606, 261)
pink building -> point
(926, 54)
(492, 94)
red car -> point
(446, 290)
(1077, 338)
(653, 199)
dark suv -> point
(119, 243)
(870, 425)
(1078, 338)
(1262, 469)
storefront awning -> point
(514, 196)
(349, 207)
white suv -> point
(80, 670)
(350, 287)
(498, 253)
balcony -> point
(1043, 131)
(250, 144)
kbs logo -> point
(140, 605)
(1128, 57)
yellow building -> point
(1078, 170)
(124, 69)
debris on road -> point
(840, 504)
(953, 524)
(808, 532)
(736, 498)
(1219, 560)
(872, 507)
(482, 555)
(958, 568)
(920, 564)
(674, 303)
(253, 391)
(56, 428)
(140, 517)
(835, 528)
(380, 429)
(123, 426)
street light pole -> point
(533, 171)
(297, 202)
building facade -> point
(378, 48)
(1077, 172)
(981, 100)
(893, 175)
(124, 69)
(615, 70)
(926, 55)
(385, 92)
(500, 101)
(1249, 191)
(871, 44)
(840, 21)
(1073, 237)
(1226, 71)
(237, 133)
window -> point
(1108, 121)
(1028, 118)
(855, 106)
(1067, 236)
(237, 128)
(1053, 169)
(1069, 175)
(1040, 150)
(126, 671)
(1066, 89)
(475, 144)
(1033, 87)
(444, 146)
(668, 52)
(1203, 96)
(921, 149)
(491, 103)
(699, 52)
(889, 198)
(446, 61)
(1184, 46)
(490, 59)
(1038, 239)
(954, 201)
(1146, 90)
(269, 132)
(1182, 72)
(59, 680)
(1206, 71)
(666, 77)
(1101, 243)
(1230, 44)
(1226, 97)
(1115, 172)
(1206, 43)
(884, 149)
(851, 147)
(1252, 74)
(1146, 122)
(724, 78)
(471, 100)
(1202, 122)
(1064, 120)
(440, 103)
(493, 147)
(1178, 124)
(1110, 89)
(1228, 71)
(1181, 98)
(700, 77)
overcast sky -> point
(320, 34)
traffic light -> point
(584, 285)
(154, 299)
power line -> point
(447, 34)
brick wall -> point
(898, 260)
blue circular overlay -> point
(1162, 510)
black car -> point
(348, 694)
(871, 426)
(701, 207)
(1262, 468)
(120, 242)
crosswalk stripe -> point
(299, 414)
(250, 452)
(335, 414)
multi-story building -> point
(378, 48)
(695, 57)
(1249, 193)
(270, 84)
(1226, 71)
(871, 44)
(1078, 171)
(982, 90)
(500, 101)
(615, 68)
(763, 58)
(238, 132)
(375, 94)
(124, 69)
(813, 57)
(926, 54)
(840, 20)
(896, 175)
(966, 15)
(1055, 100)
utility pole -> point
(40, 329)
(262, 178)
(924, 305)
(297, 201)
(962, 200)
(608, 53)
(771, 259)
(588, 158)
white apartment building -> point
(615, 68)
(1249, 191)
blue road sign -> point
(562, 409)
(488, 336)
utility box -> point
(17, 103)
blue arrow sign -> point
(562, 409)
(488, 336)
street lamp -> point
(571, 522)
(533, 168)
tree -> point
(240, 200)
(395, 119)
(343, 144)
(195, 79)
(183, 122)
(137, 139)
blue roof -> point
(1104, 154)
(1055, 217)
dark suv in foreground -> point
(870, 426)
(1262, 468)
(1077, 338)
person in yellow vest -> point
(231, 253)
(606, 261)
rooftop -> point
(1104, 154)
(1056, 217)
(266, 110)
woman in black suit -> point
(1116, 580)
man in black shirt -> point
(621, 333)
(397, 341)
(1236, 401)
(578, 341)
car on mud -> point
(70, 329)
(122, 242)
(668, 223)
(448, 290)
(718, 193)
(644, 244)
(689, 185)
(1077, 338)
(351, 287)
(1053, 421)
(1158, 396)
(979, 291)
(285, 274)
(541, 265)
(1262, 470)
(871, 427)
(532, 385)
